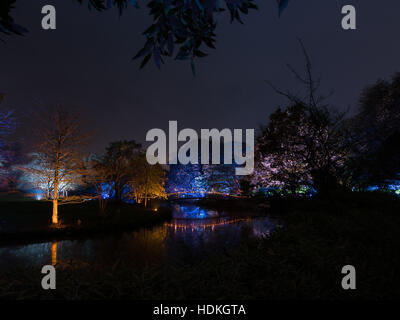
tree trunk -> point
(102, 203)
(54, 218)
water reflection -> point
(194, 234)
(54, 253)
(192, 212)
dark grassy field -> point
(27, 221)
(302, 260)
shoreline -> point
(29, 224)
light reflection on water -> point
(193, 234)
(193, 212)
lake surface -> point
(193, 234)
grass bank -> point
(302, 260)
(28, 221)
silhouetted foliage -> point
(180, 28)
(375, 134)
(7, 25)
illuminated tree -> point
(198, 179)
(304, 144)
(148, 180)
(186, 179)
(282, 155)
(221, 178)
(39, 175)
(60, 142)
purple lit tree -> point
(186, 179)
(304, 145)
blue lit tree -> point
(221, 178)
(118, 162)
(198, 180)
(186, 179)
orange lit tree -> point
(60, 142)
(148, 180)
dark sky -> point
(86, 64)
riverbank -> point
(301, 260)
(29, 221)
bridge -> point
(195, 195)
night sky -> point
(86, 65)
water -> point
(194, 233)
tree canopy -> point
(375, 133)
(118, 162)
(305, 144)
